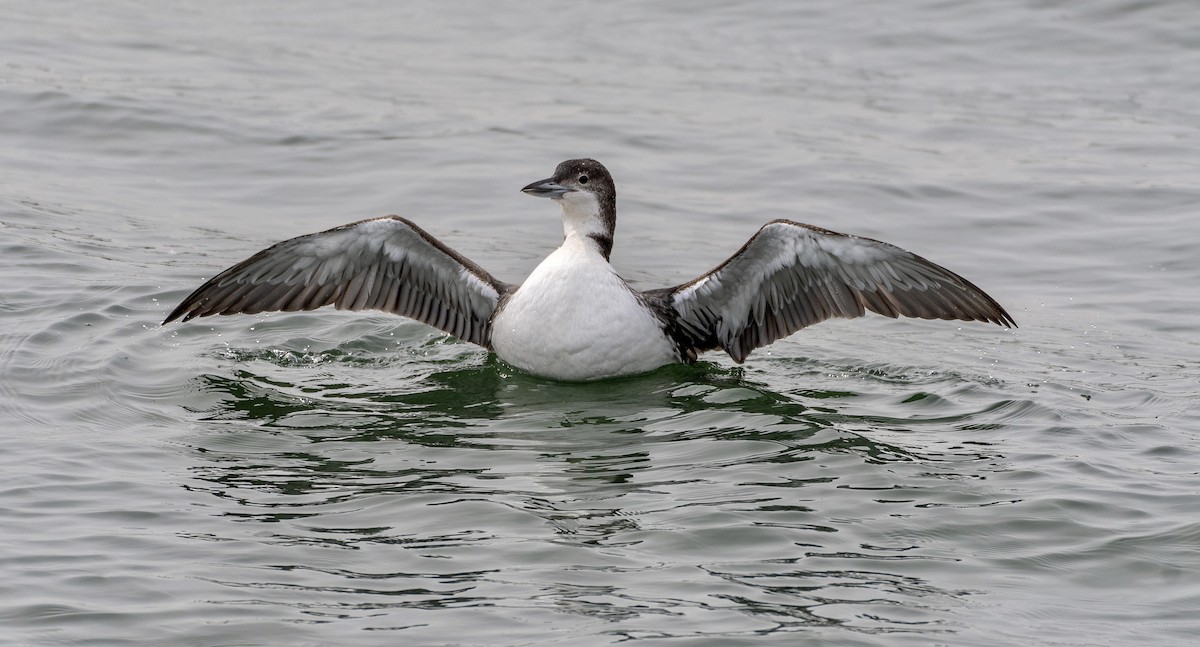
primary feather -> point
(791, 275)
(387, 264)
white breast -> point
(575, 319)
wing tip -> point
(998, 314)
(182, 317)
(175, 314)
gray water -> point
(334, 478)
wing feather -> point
(791, 275)
(386, 264)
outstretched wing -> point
(386, 264)
(790, 276)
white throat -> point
(581, 215)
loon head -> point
(585, 191)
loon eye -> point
(583, 179)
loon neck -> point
(589, 220)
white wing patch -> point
(486, 289)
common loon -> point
(575, 318)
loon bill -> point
(575, 318)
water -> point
(332, 478)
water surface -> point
(358, 479)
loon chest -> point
(574, 318)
